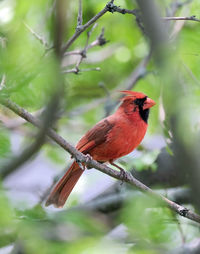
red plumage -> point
(111, 138)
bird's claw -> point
(122, 175)
(82, 165)
(88, 159)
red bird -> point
(111, 138)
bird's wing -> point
(94, 137)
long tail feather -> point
(64, 187)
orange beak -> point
(149, 103)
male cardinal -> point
(111, 138)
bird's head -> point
(136, 102)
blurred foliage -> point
(5, 142)
(32, 72)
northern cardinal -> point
(111, 138)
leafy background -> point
(138, 224)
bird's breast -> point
(123, 138)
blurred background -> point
(72, 84)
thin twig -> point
(84, 51)
(74, 52)
(51, 110)
(128, 177)
(80, 16)
(113, 8)
(192, 18)
(77, 71)
(84, 27)
(3, 80)
(12, 164)
(112, 201)
(37, 36)
(100, 41)
(110, 7)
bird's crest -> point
(132, 95)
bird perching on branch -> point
(113, 137)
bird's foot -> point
(83, 165)
(88, 159)
(123, 174)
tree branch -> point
(77, 70)
(110, 202)
(101, 167)
(113, 8)
(3, 80)
(110, 7)
(84, 27)
(80, 16)
(100, 41)
(192, 18)
(9, 166)
(50, 115)
(37, 36)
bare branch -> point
(135, 12)
(83, 53)
(112, 201)
(81, 158)
(8, 167)
(110, 7)
(37, 36)
(50, 114)
(84, 27)
(80, 16)
(74, 52)
(192, 18)
(3, 80)
(113, 8)
(77, 71)
(100, 41)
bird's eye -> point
(137, 101)
(140, 102)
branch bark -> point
(192, 18)
(101, 167)
(84, 27)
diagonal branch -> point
(80, 15)
(101, 167)
(111, 7)
(37, 36)
(84, 27)
(49, 117)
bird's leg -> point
(122, 171)
(88, 158)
